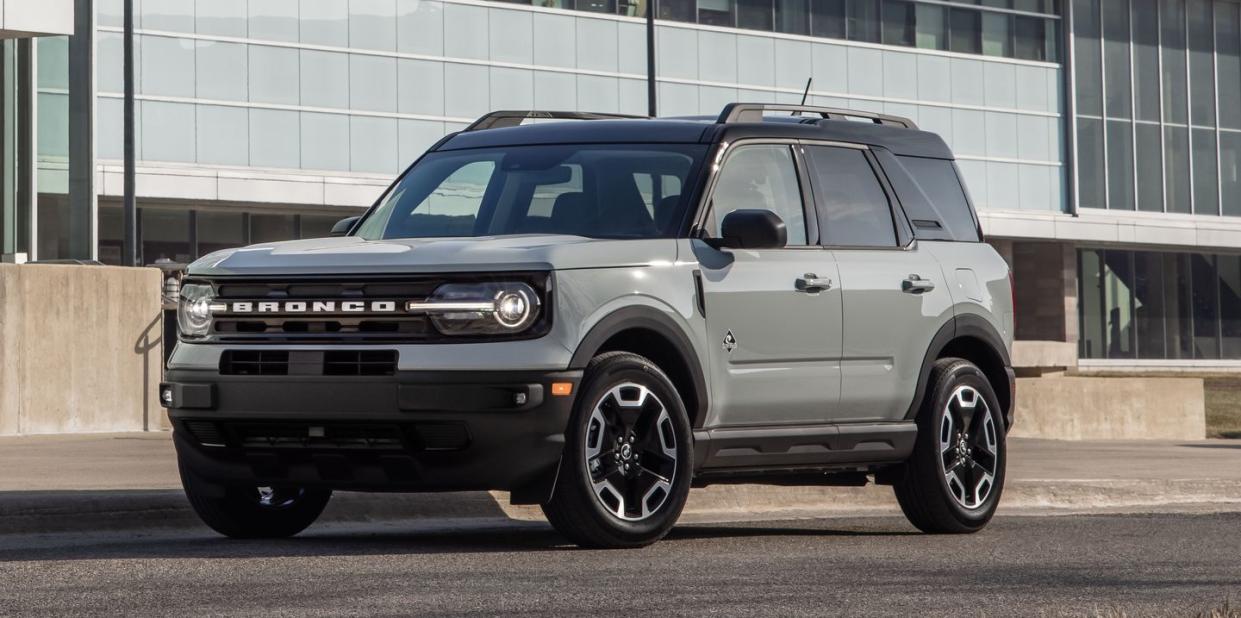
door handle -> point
(917, 285)
(811, 282)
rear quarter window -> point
(936, 203)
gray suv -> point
(597, 316)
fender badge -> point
(730, 342)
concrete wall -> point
(80, 349)
(1091, 408)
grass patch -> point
(1223, 403)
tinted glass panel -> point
(1093, 309)
(863, 20)
(1228, 38)
(1230, 172)
(792, 16)
(1230, 305)
(1205, 307)
(1176, 166)
(1206, 187)
(1091, 177)
(219, 230)
(1116, 57)
(1146, 58)
(165, 235)
(1148, 305)
(1150, 168)
(1118, 294)
(271, 228)
(827, 18)
(1201, 63)
(940, 183)
(1119, 165)
(851, 202)
(932, 26)
(966, 31)
(997, 34)
(1089, 63)
(762, 177)
(898, 23)
(1172, 22)
(755, 14)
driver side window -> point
(761, 177)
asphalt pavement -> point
(1098, 565)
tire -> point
(251, 512)
(934, 500)
(597, 502)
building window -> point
(1025, 29)
(1159, 305)
(1157, 83)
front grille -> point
(367, 326)
(306, 435)
(254, 363)
(308, 362)
(359, 363)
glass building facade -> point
(1026, 29)
(1158, 97)
(1159, 305)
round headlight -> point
(489, 308)
(194, 310)
(513, 308)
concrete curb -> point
(42, 512)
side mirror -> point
(343, 226)
(752, 229)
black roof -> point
(899, 137)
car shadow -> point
(381, 538)
(1234, 445)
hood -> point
(346, 255)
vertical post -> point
(650, 58)
(130, 251)
(83, 205)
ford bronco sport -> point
(598, 315)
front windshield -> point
(597, 191)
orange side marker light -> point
(562, 389)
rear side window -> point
(948, 205)
(853, 207)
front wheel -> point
(954, 478)
(626, 470)
(248, 512)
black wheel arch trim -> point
(962, 326)
(656, 321)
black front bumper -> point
(413, 431)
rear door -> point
(893, 294)
(774, 341)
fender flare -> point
(654, 320)
(960, 326)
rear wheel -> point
(953, 480)
(626, 469)
(249, 512)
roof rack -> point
(513, 118)
(753, 112)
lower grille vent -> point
(308, 363)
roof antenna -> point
(805, 93)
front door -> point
(773, 316)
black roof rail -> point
(513, 118)
(753, 112)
